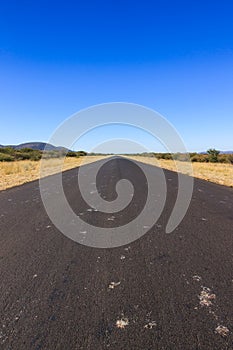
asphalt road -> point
(54, 292)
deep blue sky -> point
(57, 57)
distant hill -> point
(226, 152)
(36, 146)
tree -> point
(81, 153)
(213, 155)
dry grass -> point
(215, 172)
(19, 172)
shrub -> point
(213, 155)
(6, 157)
(26, 150)
(72, 154)
(36, 156)
(195, 158)
(192, 154)
(202, 158)
(223, 158)
(230, 158)
(81, 153)
(29, 153)
(163, 155)
(7, 150)
(22, 155)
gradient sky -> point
(57, 57)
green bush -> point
(163, 155)
(6, 157)
(81, 153)
(26, 150)
(192, 154)
(7, 150)
(22, 155)
(194, 158)
(8, 154)
(72, 154)
(213, 155)
(223, 158)
(36, 156)
(27, 154)
(201, 158)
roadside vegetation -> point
(20, 166)
(211, 156)
(207, 167)
(9, 154)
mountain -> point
(37, 146)
(226, 152)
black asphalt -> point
(55, 292)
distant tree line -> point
(9, 154)
(211, 156)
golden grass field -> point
(22, 171)
(215, 172)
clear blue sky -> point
(57, 57)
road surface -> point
(175, 291)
